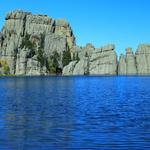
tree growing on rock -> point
(27, 43)
(52, 62)
(4, 66)
(77, 57)
(86, 54)
(66, 59)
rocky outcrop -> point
(130, 62)
(40, 45)
(143, 59)
(82, 67)
(29, 42)
(127, 64)
(135, 64)
(68, 70)
(102, 61)
(122, 66)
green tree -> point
(74, 56)
(51, 66)
(52, 62)
(86, 54)
(66, 57)
(77, 57)
(42, 41)
(27, 43)
(40, 56)
(6, 69)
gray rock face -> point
(82, 67)
(68, 70)
(122, 66)
(54, 42)
(77, 68)
(143, 59)
(38, 24)
(103, 61)
(130, 62)
(27, 40)
(127, 64)
(62, 27)
(15, 22)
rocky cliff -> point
(138, 63)
(94, 61)
(103, 61)
(34, 44)
(39, 45)
(143, 59)
(127, 63)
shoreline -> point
(148, 75)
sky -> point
(125, 23)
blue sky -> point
(126, 23)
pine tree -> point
(86, 54)
(77, 57)
(66, 57)
(74, 56)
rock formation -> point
(101, 61)
(33, 44)
(135, 64)
(143, 59)
(127, 64)
(80, 67)
(40, 45)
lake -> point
(90, 112)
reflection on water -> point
(74, 112)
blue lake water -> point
(59, 113)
